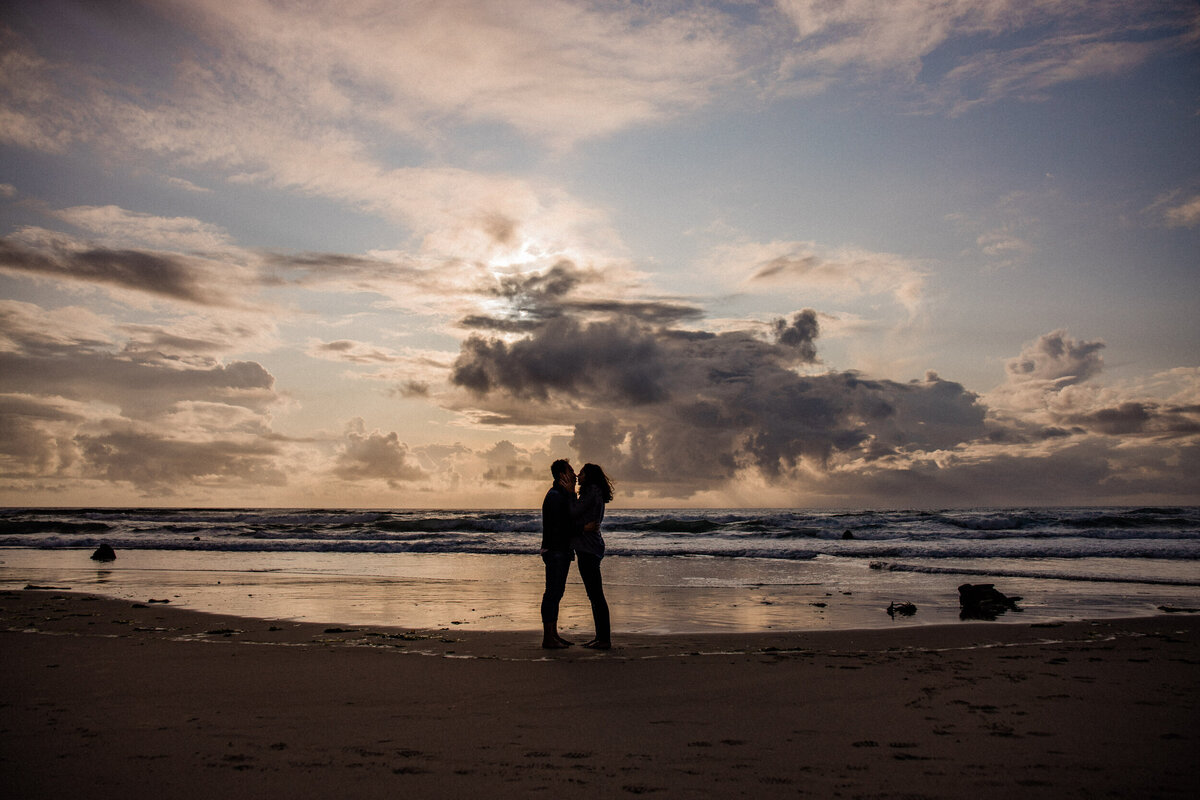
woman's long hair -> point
(592, 474)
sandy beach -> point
(112, 698)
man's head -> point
(563, 473)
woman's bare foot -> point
(554, 644)
(564, 642)
(596, 644)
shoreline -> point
(60, 611)
(651, 596)
(108, 698)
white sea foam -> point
(1148, 541)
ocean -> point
(666, 570)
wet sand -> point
(109, 698)
(658, 596)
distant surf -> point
(1151, 544)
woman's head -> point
(593, 475)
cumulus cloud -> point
(1057, 359)
(1050, 392)
(375, 456)
(78, 406)
(78, 365)
(508, 464)
(687, 411)
(686, 414)
(63, 439)
(1049, 373)
(37, 435)
(153, 461)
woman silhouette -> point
(595, 491)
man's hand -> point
(591, 527)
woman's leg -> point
(589, 570)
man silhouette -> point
(558, 528)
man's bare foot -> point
(596, 644)
(565, 642)
(554, 644)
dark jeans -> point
(558, 566)
(589, 570)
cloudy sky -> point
(898, 253)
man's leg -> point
(558, 565)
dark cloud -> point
(539, 287)
(689, 410)
(139, 388)
(801, 333)
(154, 462)
(652, 312)
(35, 436)
(286, 268)
(530, 300)
(1140, 418)
(140, 380)
(352, 352)
(155, 413)
(617, 361)
(482, 322)
(783, 265)
(1086, 471)
(412, 389)
(159, 341)
(317, 262)
(501, 229)
(163, 274)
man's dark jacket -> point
(557, 525)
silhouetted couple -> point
(570, 530)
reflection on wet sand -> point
(501, 592)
